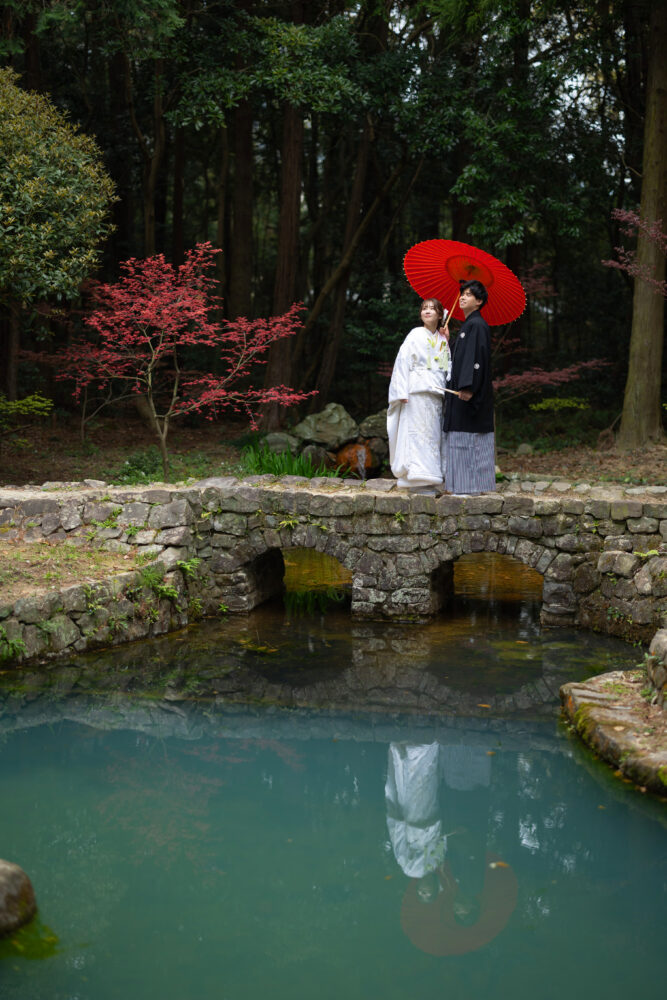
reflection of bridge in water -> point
(164, 720)
(484, 655)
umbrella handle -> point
(449, 316)
(453, 305)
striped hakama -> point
(470, 461)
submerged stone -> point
(17, 898)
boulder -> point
(17, 898)
(379, 447)
(374, 426)
(278, 442)
(332, 427)
(319, 456)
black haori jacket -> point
(471, 369)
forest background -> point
(314, 142)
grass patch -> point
(260, 461)
(144, 466)
(36, 567)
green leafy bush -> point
(16, 414)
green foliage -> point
(189, 567)
(553, 426)
(54, 198)
(258, 461)
(152, 577)
(312, 66)
(15, 414)
(308, 65)
(10, 648)
(555, 403)
(143, 466)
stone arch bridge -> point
(603, 559)
(601, 552)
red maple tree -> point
(145, 322)
(631, 224)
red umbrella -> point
(434, 268)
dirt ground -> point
(53, 452)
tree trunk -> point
(13, 348)
(335, 334)
(279, 367)
(31, 58)
(120, 161)
(177, 235)
(152, 152)
(221, 226)
(641, 421)
(238, 298)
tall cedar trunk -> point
(641, 420)
(153, 162)
(31, 59)
(374, 39)
(152, 152)
(13, 348)
(335, 335)
(221, 218)
(630, 83)
(239, 298)
(279, 367)
(120, 162)
(520, 54)
(177, 235)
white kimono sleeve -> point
(398, 387)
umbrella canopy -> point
(434, 268)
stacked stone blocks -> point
(604, 561)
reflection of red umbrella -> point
(434, 268)
(432, 926)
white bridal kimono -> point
(411, 797)
(416, 451)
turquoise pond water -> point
(186, 847)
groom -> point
(468, 426)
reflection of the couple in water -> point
(459, 895)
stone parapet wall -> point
(603, 557)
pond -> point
(291, 804)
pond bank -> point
(615, 716)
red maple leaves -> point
(148, 331)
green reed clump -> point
(260, 461)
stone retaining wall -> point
(603, 557)
(656, 667)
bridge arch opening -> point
(496, 577)
(314, 581)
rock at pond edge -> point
(17, 898)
